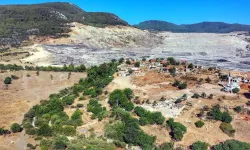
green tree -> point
(232, 145)
(129, 93)
(238, 109)
(7, 80)
(137, 64)
(45, 130)
(191, 66)
(236, 90)
(15, 127)
(199, 124)
(143, 121)
(199, 146)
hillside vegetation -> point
(203, 27)
(19, 21)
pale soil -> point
(154, 85)
(39, 56)
(24, 93)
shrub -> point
(210, 96)
(182, 86)
(45, 130)
(120, 99)
(226, 117)
(199, 124)
(167, 146)
(196, 96)
(227, 128)
(79, 105)
(232, 145)
(137, 64)
(191, 66)
(203, 95)
(69, 131)
(96, 109)
(208, 80)
(143, 121)
(236, 90)
(15, 127)
(199, 146)
(238, 109)
(76, 115)
(4, 131)
(14, 77)
(177, 129)
(7, 80)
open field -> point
(24, 93)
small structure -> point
(233, 83)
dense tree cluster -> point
(65, 68)
(121, 98)
(147, 117)
(97, 109)
(177, 129)
(232, 145)
(180, 85)
(49, 117)
(216, 114)
(199, 146)
(128, 130)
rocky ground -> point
(93, 46)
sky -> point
(175, 11)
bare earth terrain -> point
(26, 92)
(91, 46)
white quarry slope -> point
(109, 37)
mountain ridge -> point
(18, 22)
(202, 27)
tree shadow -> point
(247, 95)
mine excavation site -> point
(226, 51)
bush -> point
(232, 145)
(15, 127)
(45, 130)
(96, 109)
(227, 128)
(137, 64)
(143, 121)
(167, 146)
(79, 105)
(120, 98)
(7, 80)
(196, 96)
(69, 131)
(199, 146)
(236, 90)
(177, 129)
(191, 66)
(14, 77)
(199, 124)
(4, 131)
(238, 109)
(180, 85)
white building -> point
(232, 84)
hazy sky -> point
(176, 11)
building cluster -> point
(130, 66)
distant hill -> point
(206, 27)
(18, 21)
